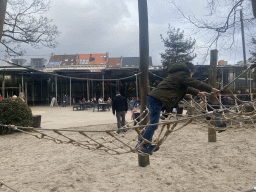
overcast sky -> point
(100, 26)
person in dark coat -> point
(247, 96)
(120, 108)
(65, 100)
(167, 94)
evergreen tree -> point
(252, 59)
(178, 49)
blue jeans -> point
(155, 107)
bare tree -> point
(221, 26)
(26, 24)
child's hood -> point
(174, 68)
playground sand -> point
(185, 162)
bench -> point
(78, 107)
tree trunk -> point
(3, 4)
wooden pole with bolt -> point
(144, 60)
(212, 82)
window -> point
(94, 63)
(37, 63)
(102, 63)
(19, 61)
(118, 64)
(72, 63)
(66, 59)
(54, 63)
(110, 65)
(72, 59)
(84, 61)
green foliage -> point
(178, 49)
(15, 112)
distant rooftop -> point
(133, 62)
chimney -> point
(107, 56)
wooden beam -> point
(254, 7)
(144, 60)
(3, 5)
(213, 82)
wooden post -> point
(3, 5)
(48, 88)
(56, 90)
(88, 89)
(144, 62)
(33, 92)
(26, 92)
(137, 92)
(3, 87)
(22, 84)
(213, 82)
(254, 7)
(70, 98)
(103, 83)
(41, 89)
(20, 88)
(92, 88)
(211, 135)
(242, 30)
(213, 68)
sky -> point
(100, 26)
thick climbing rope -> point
(100, 141)
(3, 184)
(125, 145)
(68, 77)
(111, 142)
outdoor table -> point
(102, 106)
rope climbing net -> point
(107, 140)
(111, 142)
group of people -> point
(21, 97)
(93, 100)
(133, 102)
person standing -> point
(168, 93)
(65, 100)
(119, 107)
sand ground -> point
(185, 162)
